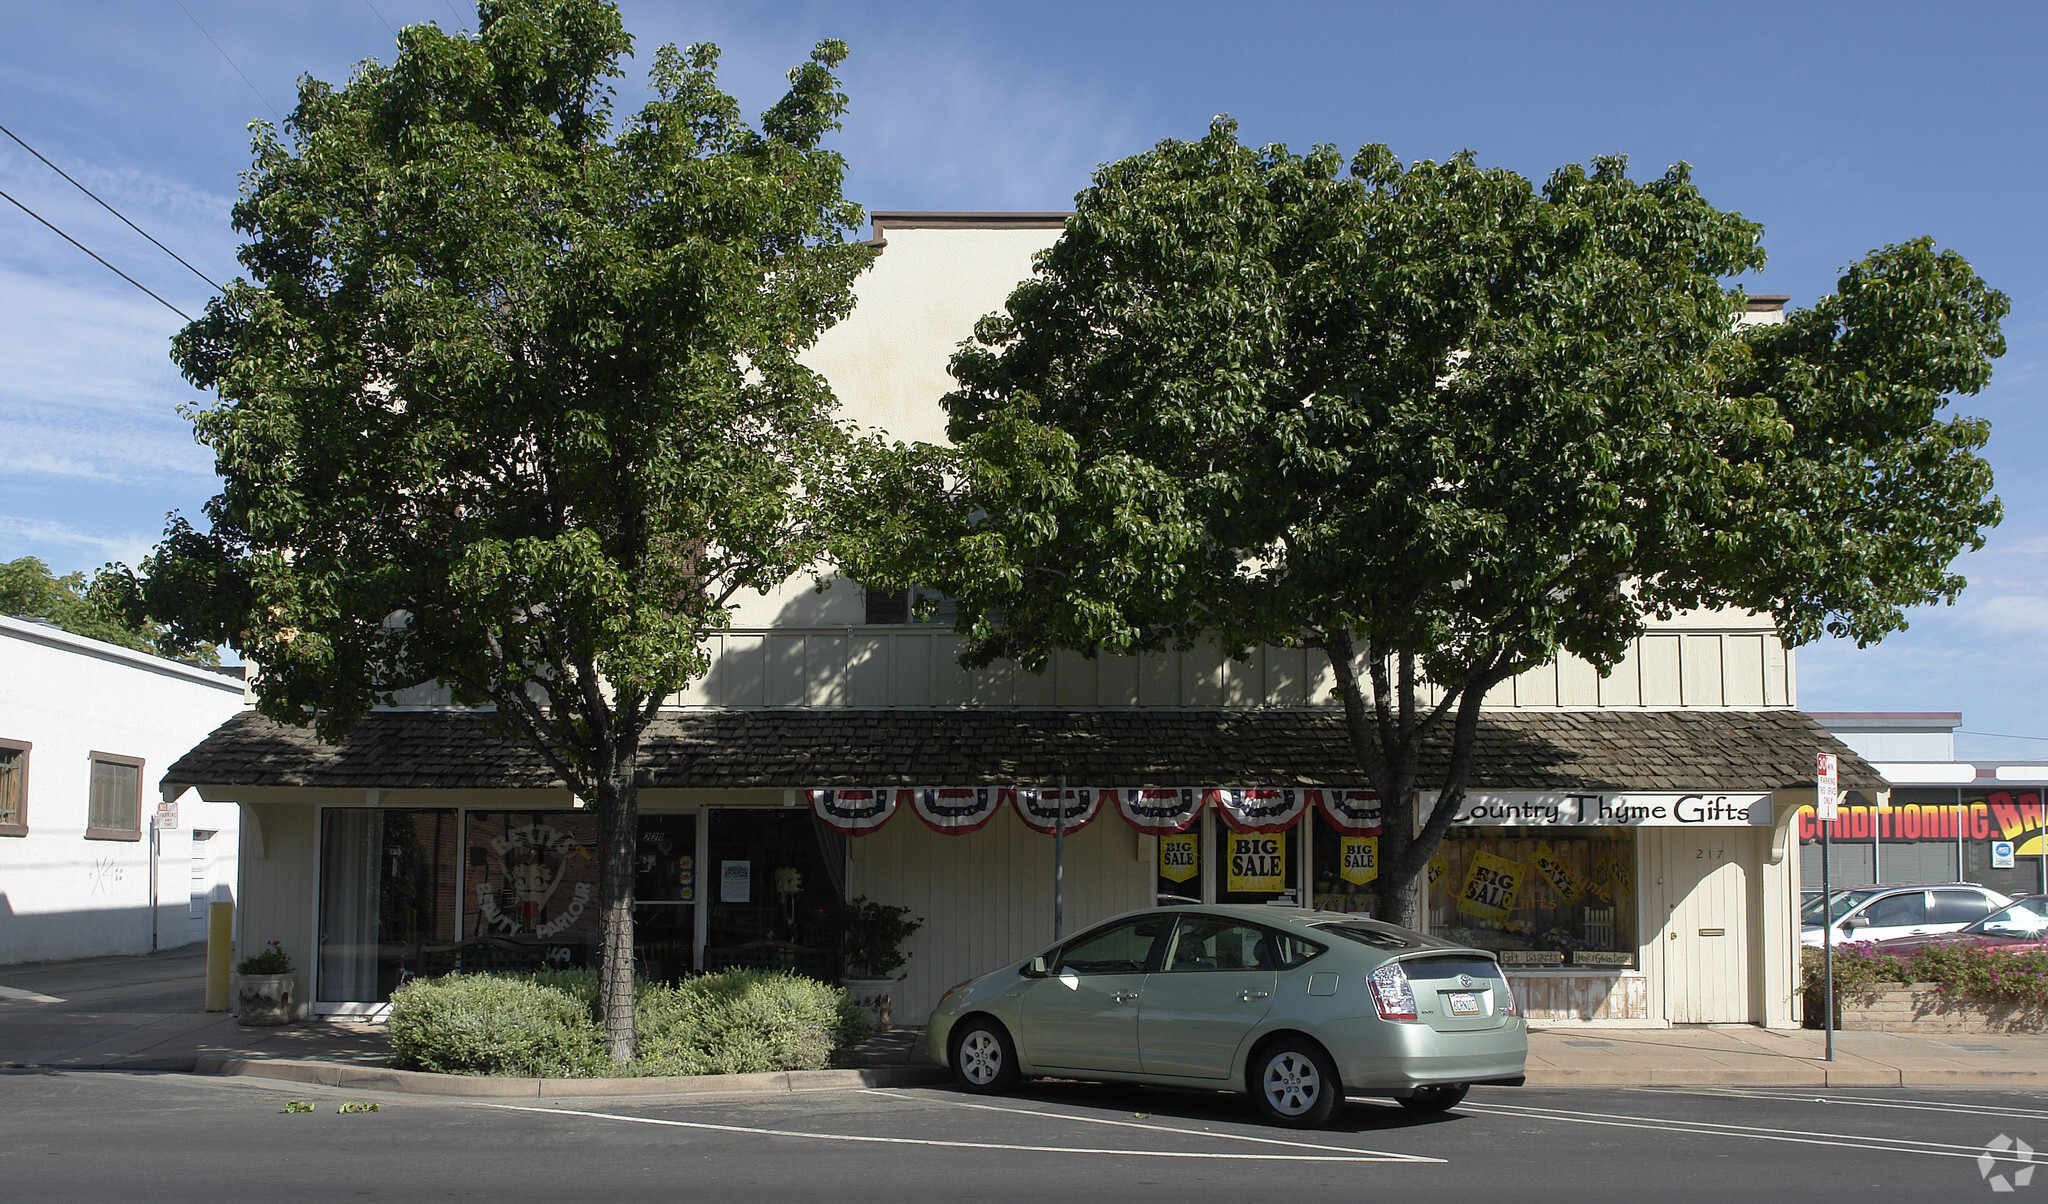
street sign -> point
(1828, 786)
(167, 814)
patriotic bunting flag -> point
(1352, 812)
(1157, 812)
(1040, 808)
(854, 812)
(955, 810)
(1261, 810)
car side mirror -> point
(1852, 923)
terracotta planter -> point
(873, 995)
(266, 999)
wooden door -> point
(1706, 924)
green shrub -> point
(495, 1024)
(543, 1025)
(744, 1022)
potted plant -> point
(871, 937)
(266, 987)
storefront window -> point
(1232, 867)
(387, 898)
(1538, 896)
(665, 895)
(774, 878)
(1347, 868)
(529, 890)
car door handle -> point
(1124, 996)
(1248, 996)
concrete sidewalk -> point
(143, 1014)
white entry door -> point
(202, 886)
(1706, 924)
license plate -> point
(1464, 1003)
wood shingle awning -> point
(1609, 750)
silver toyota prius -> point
(1297, 1009)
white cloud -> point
(39, 536)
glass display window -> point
(530, 884)
(1210, 863)
(1538, 896)
(388, 904)
(1347, 870)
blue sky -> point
(1841, 127)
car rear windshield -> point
(1382, 936)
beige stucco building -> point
(1628, 849)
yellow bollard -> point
(220, 938)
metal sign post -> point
(1827, 792)
(1059, 860)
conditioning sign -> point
(1543, 808)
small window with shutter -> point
(114, 811)
(14, 787)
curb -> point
(420, 1082)
(1790, 1076)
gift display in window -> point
(1538, 897)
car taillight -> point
(1391, 993)
(1507, 997)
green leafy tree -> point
(513, 402)
(28, 589)
(1439, 424)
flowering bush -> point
(1966, 971)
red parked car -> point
(2021, 927)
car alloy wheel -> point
(1296, 1085)
(983, 1060)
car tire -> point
(1435, 1099)
(983, 1057)
(1293, 1082)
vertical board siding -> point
(986, 898)
(1742, 660)
(1702, 668)
(279, 888)
(919, 667)
(1660, 673)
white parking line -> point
(1383, 1155)
(1705, 1128)
(1947, 1107)
(27, 996)
(1342, 1154)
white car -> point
(1881, 913)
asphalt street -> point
(104, 1135)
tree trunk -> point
(1387, 735)
(1401, 892)
(618, 823)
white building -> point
(90, 864)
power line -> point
(380, 18)
(231, 63)
(110, 209)
(1963, 731)
(89, 251)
